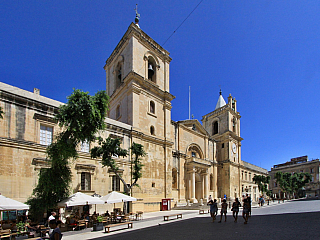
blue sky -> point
(265, 53)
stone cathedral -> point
(186, 160)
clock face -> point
(234, 148)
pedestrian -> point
(209, 198)
(245, 211)
(249, 204)
(235, 209)
(213, 209)
(224, 206)
(56, 233)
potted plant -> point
(98, 225)
(21, 227)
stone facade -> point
(186, 161)
(297, 165)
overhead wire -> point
(182, 22)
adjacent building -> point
(297, 165)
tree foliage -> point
(80, 118)
(262, 182)
(292, 183)
(110, 148)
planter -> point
(98, 226)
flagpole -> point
(189, 102)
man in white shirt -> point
(52, 217)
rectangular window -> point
(85, 147)
(115, 183)
(311, 170)
(46, 134)
(85, 181)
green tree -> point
(109, 148)
(262, 182)
(283, 181)
(298, 181)
(1, 113)
(292, 183)
(80, 118)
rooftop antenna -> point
(137, 18)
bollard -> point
(229, 204)
(268, 201)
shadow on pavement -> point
(279, 226)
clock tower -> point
(223, 124)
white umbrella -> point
(7, 204)
(79, 199)
(115, 197)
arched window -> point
(151, 69)
(152, 107)
(118, 75)
(234, 124)
(215, 128)
(174, 178)
(195, 151)
(152, 130)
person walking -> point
(224, 206)
(249, 204)
(213, 209)
(235, 209)
(245, 211)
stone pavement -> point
(299, 219)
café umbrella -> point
(80, 199)
(115, 197)
(7, 204)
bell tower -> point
(223, 124)
(137, 74)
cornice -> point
(22, 144)
(24, 102)
(137, 84)
(199, 134)
(219, 111)
(151, 139)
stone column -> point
(202, 186)
(205, 176)
(193, 186)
